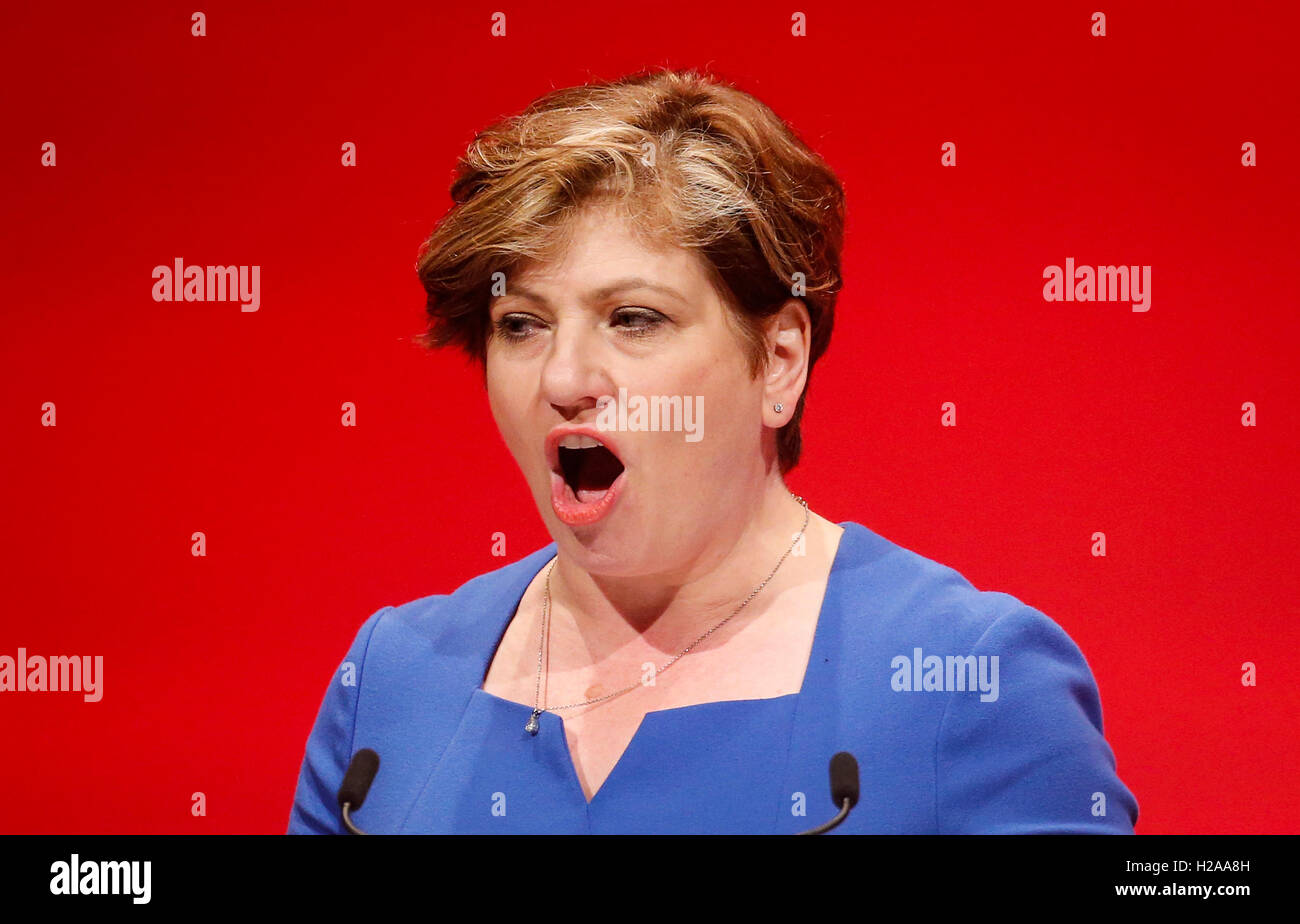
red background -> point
(1072, 417)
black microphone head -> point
(356, 782)
(844, 779)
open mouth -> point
(586, 479)
(589, 470)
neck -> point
(671, 608)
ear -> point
(789, 342)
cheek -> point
(727, 417)
(495, 392)
(730, 394)
(502, 380)
(502, 402)
(511, 395)
(710, 373)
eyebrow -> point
(618, 285)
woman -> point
(647, 271)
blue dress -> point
(967, 711)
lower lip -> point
(574, 512)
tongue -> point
(591, 495)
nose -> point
(575, 373)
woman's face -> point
(616, 320)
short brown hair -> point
(726, 177)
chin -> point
(613, 546)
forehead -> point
(601, 247)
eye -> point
(643, 321)
(514, 326)
(517, 327)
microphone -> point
(356, 783)
(844, 790)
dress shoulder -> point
(408, 669)
(1004, 696)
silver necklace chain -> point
(538, 709)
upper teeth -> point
(579, 441)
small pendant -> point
(532, 726)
